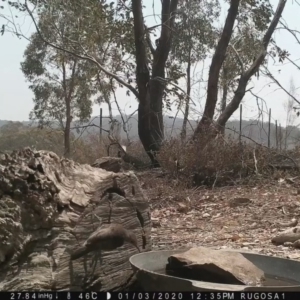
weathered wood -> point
(289, 235)
(49, 206)
(113, 164)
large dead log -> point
(113, 164)
(48, 207)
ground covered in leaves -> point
(242, 217)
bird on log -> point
(106, 239)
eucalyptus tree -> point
(63, 84)
(193, 42)
(245, 45)
(258, 14)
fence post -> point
(280, 137)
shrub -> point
(209, 161)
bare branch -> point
(168, 81)
(292, 31)
(120, 112)
(87, 126)
(266, 40)
(142, 71)
(269, 74)
(238, 57)
(148, 39)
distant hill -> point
(252, 129)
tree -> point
(148, 61)
(61, 88)
(150, 87)
(194, 39)
(254, 12)
(63, 84)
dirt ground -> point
(184, 218)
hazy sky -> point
(16, 98)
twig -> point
(238, 57)
(215, 181)
(168, 81)
(121, 114)
(268, 73)
(255, 162)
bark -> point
(49, 206)
(187, 101)
(150, 114)
(124, 122)
(224, 95)
(112, 164)
(245, 77)
(224, 91)
(67, 141)
(68, 93)
(215, 67)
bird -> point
(106, 239)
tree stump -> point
(49, 206)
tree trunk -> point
(245, 77)
(68, 92)
(224, 91)
(49, 208)
(150, 114)
(187, 101)
(215, 67)
(67, 141)
(217, 61)
(224, 95)
(150, 123)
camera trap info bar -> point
(150, 295)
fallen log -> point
(113, 164)
(49, 206)
(290, 235)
